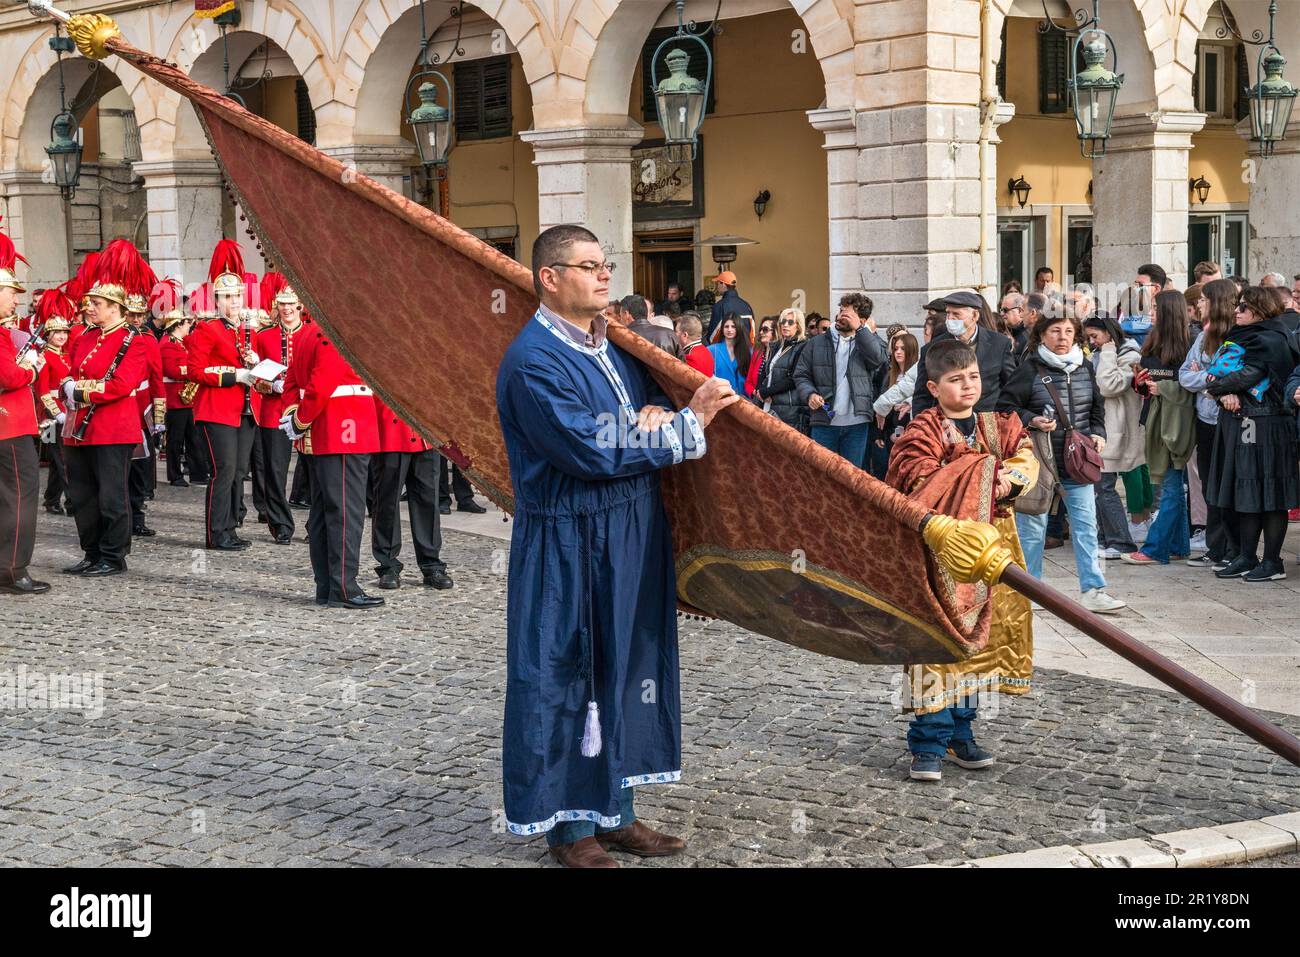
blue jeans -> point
(931, 733)
(1080, 504)
(849, 441)
(1170, 534)
(566, 832)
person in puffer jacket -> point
(1114, 357)
(1055, 355)
(775, 390)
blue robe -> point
(591, 608)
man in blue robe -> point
(592, 706)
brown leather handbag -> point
(1082, 460)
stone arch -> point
(195, 46)
(33, 99)
(382, 44)
(605, 73)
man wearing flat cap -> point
(967, 318)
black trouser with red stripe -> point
(229, 448)
(20, 477)
(184, 447)
(418, 471)
(334, 523)
(276, 449)
(97, 476)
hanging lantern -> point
(1094, 90)
(680, 98)
(65, 153)
(1271, 101)
(431, 123)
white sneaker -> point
(1198, 542)
(1114, 554)
(1138, 531)
(1096, 600)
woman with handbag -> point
(1054, 390)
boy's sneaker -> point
(1138, 531)
(1267, 571)
(968, 754)
(1111, 553)
(1096, 600)
(1198, 542)
(926, 767)
(1201, 561)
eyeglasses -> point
(1242, 307)
(1005, 310)
(591, 269)
(788, 322)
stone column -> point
(184, 203)
(918, 207)
(584, 176)
(386, 165)
(36, 219)
(990, 285)
(841, 145)
(1274, 202)
(1140, 200)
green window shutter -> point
(468, 96)
(1242, 85)
(698, 67)
(306, 115)
(482, 97)
(1053, 72)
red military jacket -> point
(214, 358)
(151, 390)
(394, 434)
(17, 410)
(337, 406)
(175, 366)
(48, 382)
(117, 421)
(271, 343)
(74, 334)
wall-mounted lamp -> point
(1019, 188)
(1089, 189)
(1201, 187)
(760, 203)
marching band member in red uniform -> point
(277, 343)
(337, 414)
(83, 314)
(220, 355)
(107, 365)
(19, 463)
(183, 444)
(53, 312)
(151, 398)
(404, 460)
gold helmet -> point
(137, 304)
(56, 324)
(108, 290)
(287, 296)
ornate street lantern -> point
(1094, 89)
(1019, 188)
(1201, 187)
(680, 98)
(431, 122)
(1272, 97)
(64, 150)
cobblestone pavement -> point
(243, 725)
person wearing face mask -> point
(967, 319)
(1055, 387)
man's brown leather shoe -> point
(584, 852)
(640, 840)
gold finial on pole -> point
(969, 551)
(90, 31)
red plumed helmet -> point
(272, 283)
(120, 264)
(80, 284)
(54, 303)
(165, 297)
(226, 272)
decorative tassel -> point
(591, 742)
